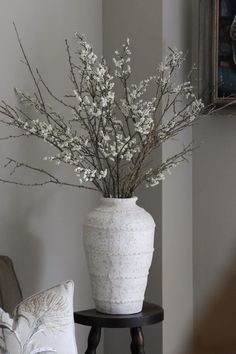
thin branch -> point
(14, 136)
(30, 70)
(52, 179)
(51, 93)
(71, 66)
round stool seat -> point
(149, 315)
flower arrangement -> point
(108, 138)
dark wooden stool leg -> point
(132, 348)
(93, 340)
(137, 345)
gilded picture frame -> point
(224, 51)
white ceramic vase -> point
(118, 241)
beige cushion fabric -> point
(10, 292)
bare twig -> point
(52, 179)
(31, 70)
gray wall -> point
(214, 171)
(41, 229)
(141, 21)
(177, 286)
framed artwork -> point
(224, 51)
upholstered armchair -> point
(10, 292)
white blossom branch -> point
(107, 140)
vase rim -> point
(120, 198)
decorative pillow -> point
(43, 323)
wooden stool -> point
(150, 314)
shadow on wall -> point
(24, 247)
(215, 329)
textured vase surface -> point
(118, 241)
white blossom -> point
(153, 178)
(102, 174)
(77, 96)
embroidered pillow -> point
(43, 323)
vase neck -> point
(119, 202)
